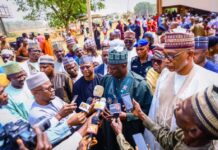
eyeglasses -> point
(128, 41)
(50, 88)
(83, 67)
(159, 62)
(172, 57)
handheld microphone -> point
(100, 105)
(93, 129)
(86, 106)
(98, 91)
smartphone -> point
(74, 99)
(127, 102)
(115, 109)
(139, 141)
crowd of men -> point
(170, 74)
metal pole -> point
(3, 26)
(88, 3)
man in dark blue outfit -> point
(141, 63)
(201, 51)
(85, 85)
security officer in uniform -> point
(142, 63)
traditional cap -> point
(89, 43)
(70, 41)
(205, 106)
(213, 40)
(57, 46)
(117, 55)
(201, 42)
(46, 59)
(12, 67)
(85, 59)
(116, 43)
(36, 80)
(46, 34)
(75, 47)
(159, 55)
(148, 35)
(179, 40)
(68, 60)
(105, 43)
(7, 52)
(129, 34)
(33, 45)
(117, 32)
(141, 43)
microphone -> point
(100, 105)
(86, 106)
(92, 129)
(98, 91)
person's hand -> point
(117, 126)
(137, 111)
(106, 114)
(66, 110)
(86, 142)
(91, 109)
(42, 141)
(122, 116)
(77, 119)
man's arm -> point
(164, 136)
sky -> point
(111, 6)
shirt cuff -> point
(130, 117)
(54, 121)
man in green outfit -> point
(120, 82)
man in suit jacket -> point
(102, 68)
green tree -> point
(59, 13)
(144, 8)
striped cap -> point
(89, 43)
(129, 34)
(85, 59)
(205, 106)
(70, 41)
(34, 45)
(68, 60)
(201, 42)
(57, 46)
(46, 59)
(179, 40)
(7, 52)
(158, 55)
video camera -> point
(11, 132)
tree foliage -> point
(144, 8)
(59, 13)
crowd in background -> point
(167, 64)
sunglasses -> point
(84, 67)
(159, 62)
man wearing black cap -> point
(201, 51)
(141, 63)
